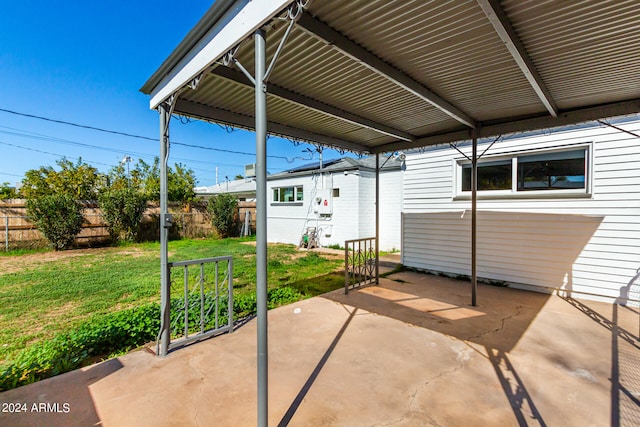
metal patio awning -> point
(379, 76)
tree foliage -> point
(58, 216)
(122, 195)
(145, 178)
(224, 214)
(7, 192)
(79, 180)
(180, 184)
(122, 210)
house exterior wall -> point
(353, 214)
(390, 207)
(588, 246)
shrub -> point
(115, 332)
(282, 296)
(224, 214)
(58, 217)
(122, 210)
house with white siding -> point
(337, 200)
(558, 211)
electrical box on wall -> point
(323, 202)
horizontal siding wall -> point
(585, 245)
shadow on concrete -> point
(625, 347)
(61, 401)
(286, 419)
(442, 305)
(498, 322)
(514, 389)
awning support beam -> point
(318, 106)
(204, 112)
(508, 35)
(494, 128)
(328, 35)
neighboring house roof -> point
(340, 165)
(248, 187)
(238, 187)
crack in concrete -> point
(498, 329)
(414, 395)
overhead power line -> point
(93, 162)
(130, 135)
(42, 137)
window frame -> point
(513, 192)
(298, 195)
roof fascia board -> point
(328, 35)
(318, 106)
(215, 43)
(507, 34)
(493, 129)
(214, 114)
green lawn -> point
(46, 293)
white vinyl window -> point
(553, 173)
(288, 194)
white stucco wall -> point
(353, 211)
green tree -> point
(180, 181)
(58, 216)
(79, 180)
(146, 178)
(224, 214)
(7, 192)
(122, 210)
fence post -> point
(6, 233)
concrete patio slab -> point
(410, 352)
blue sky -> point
(84, 62)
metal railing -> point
(201, 299)
(360, 263)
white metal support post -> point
(165, 223)
(261, 224)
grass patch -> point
(23, 251)
(397, 269)
(45, 300)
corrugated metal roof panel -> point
(586, 53)
(583, 50)
(445, 45)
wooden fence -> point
(191, 221)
